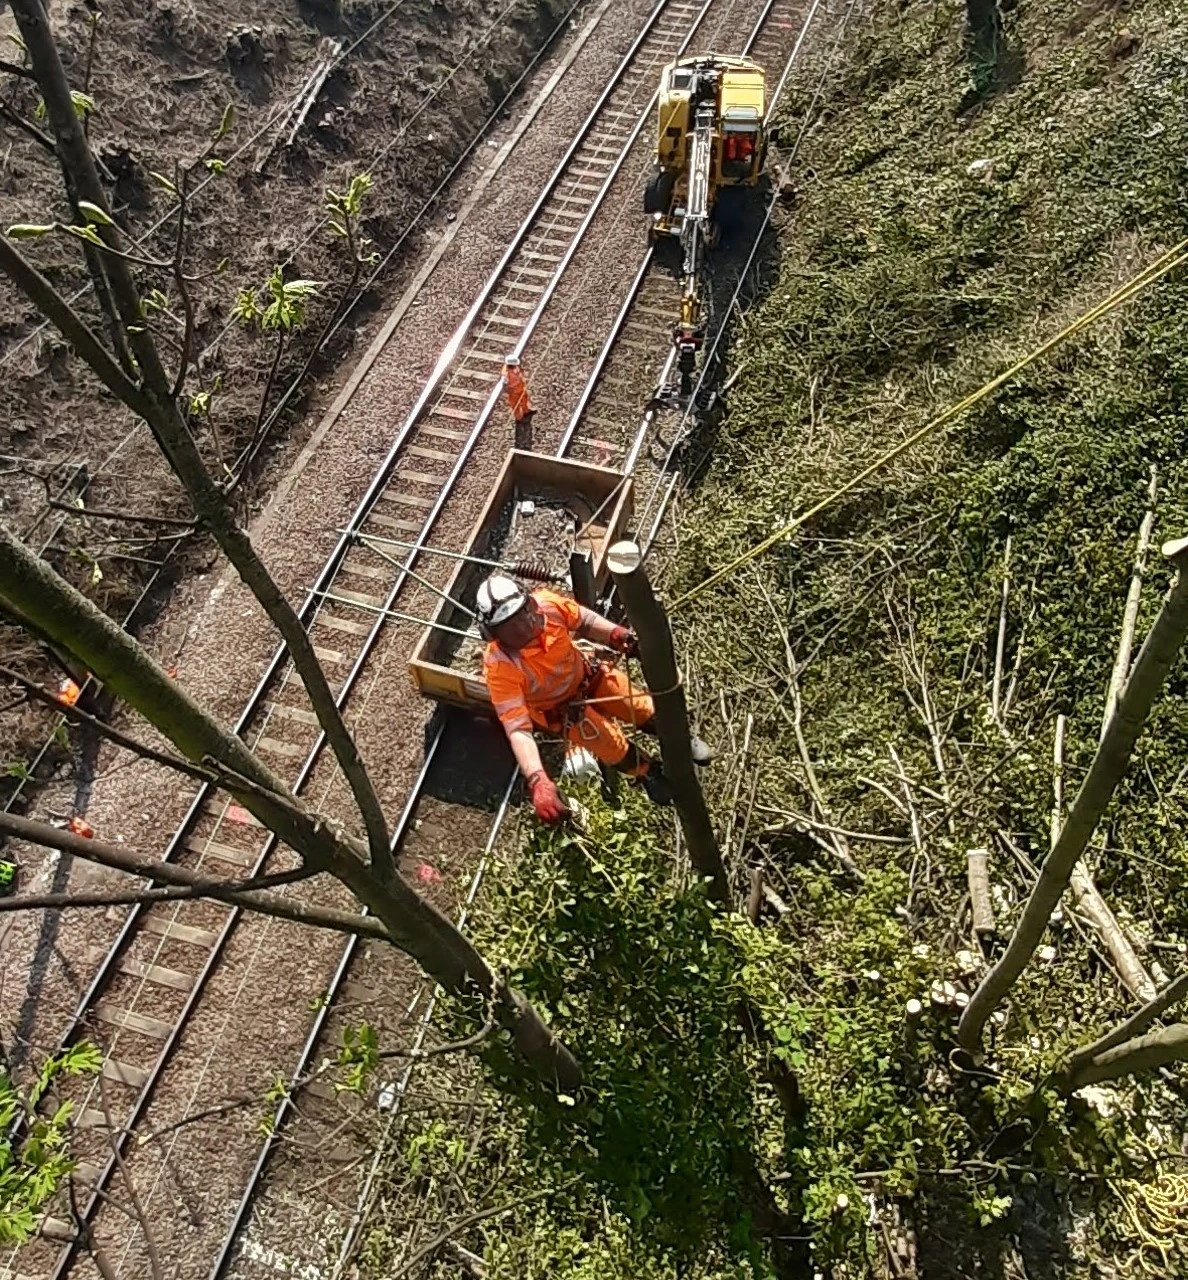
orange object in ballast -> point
(517, 389)
(80, 827)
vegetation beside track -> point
(947, 221)
(950, 214)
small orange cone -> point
(80, 827)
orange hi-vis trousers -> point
(610, 701)
(517, 392)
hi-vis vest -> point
(527, 683)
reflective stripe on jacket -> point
(527, 683)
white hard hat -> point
(499, 598)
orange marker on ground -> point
(68, 693)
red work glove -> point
(623, 640)
(546, 799)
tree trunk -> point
(1109, 764)
(157, 405)
(36, 595)
(672, 717)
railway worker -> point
(519, 400)
(539, 679)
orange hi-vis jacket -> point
(526, 684)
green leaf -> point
(162, 181)
(28, 230)
(93, 213)
(226, 122)
(83, 103)
(83, 233)
(216, 165)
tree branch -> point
(70, 325)
(1144, 1053)
(101, 727)
(15, 118)
(470, 1220)
(219, 890)
(263, 902)
(158, 407)
(181, 178)
(117, 1151)
(455, 1046)
(13, 70)
(130, 517)
(1109, 764)
(1131, 1027)
(211, 770)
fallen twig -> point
(1000, 645)
(978, 874)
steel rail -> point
(435, 380)
(353, 532)
(285, 1106)
(430, 201)
(361, 1206)
(379, 483)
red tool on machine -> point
(538, 678)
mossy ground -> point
(951, 212)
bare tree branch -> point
(158, 407)
(1144, 1053)
(13, 70)
(470, 1220)
(109, 855)
(117, 1151)
(221, 890)
(131, 517)
(455, 1046)
(210, 770)
(181, 179)
(1135, 1025)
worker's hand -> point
(623, 640)
(548, 802)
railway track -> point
(635, 356)
(149, 985)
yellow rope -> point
(1156, 270)
(1158, 1213)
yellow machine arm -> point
(689, 333)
